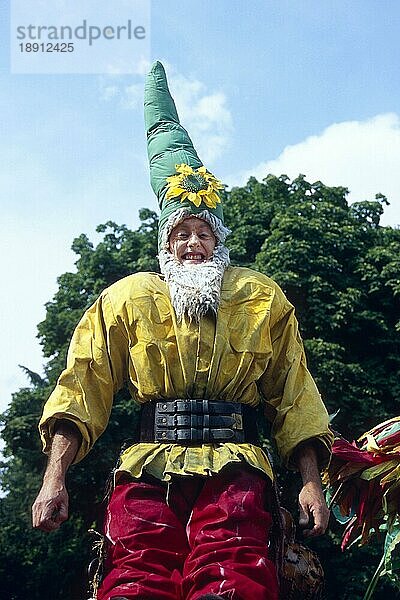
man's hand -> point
(313, 510)
(314, 513)
(50, 508)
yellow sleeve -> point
(95, 371)
(293, 402)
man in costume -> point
(199, 346)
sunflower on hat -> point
(195, 185)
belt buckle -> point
(237, 421)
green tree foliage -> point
(341, 270)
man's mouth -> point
(194, 257)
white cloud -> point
(363, 156)
(203, 112)
(109, 91)
(132, 96)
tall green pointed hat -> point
(177, 175)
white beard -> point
(195, 289)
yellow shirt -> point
(251, 352)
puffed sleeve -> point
(293, 402)
(95, 371)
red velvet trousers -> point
(209, 536)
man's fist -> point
(50, 508)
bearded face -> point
(192, 241)
(193, 267)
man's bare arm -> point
(311, 498)
(50, 508)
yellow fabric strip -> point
(164, 460)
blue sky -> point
(263, 86)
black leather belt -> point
(188, 421)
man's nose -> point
(193, 241)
